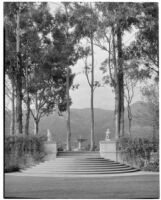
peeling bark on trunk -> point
(18, 80)
(68, 147)
(121, 82)
(117, 127)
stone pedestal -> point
(79, 145)
(108, 149)
(51, 150)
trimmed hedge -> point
(22, 151)
(138, 152)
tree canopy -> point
(42, 47)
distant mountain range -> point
(80, 123)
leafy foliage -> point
(84, 18)
(151, 95)
(137, 151)
(146, 46)
(45, 51)
(21, 151)
(50, 45)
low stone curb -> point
(79, 175)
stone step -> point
(79, 170)
(83, 172)
(82, 161)
(75, 169)
(79, 163)
(79, 167)
(78, 154)
(86, 164)
(76, 159)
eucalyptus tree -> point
(35, 48)
(131, 78)
(37, 23)
(50, 52)
(85, 20)
(13, 62)
(68, 147)
(10, 69)
(115, 19)
(67, 52)
(144, 51)
(48, 82)
(10, 100)
(27, 26)
(10, 61)
(145, 48)
(45, 94)
(47, 60)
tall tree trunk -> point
(12, 127)
(27, 106)
(117, 127)
(36, 118)
(130, 122)
(27, 115)
(130, 118)
(121, 82)
(92, 97)
(36, 126)
(117, 112)
(18, 80)
(68, 114)
(68, 147)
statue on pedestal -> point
(107, 138)
(49, 136)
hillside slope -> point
(80, 123)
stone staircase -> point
(78, 163)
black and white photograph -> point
(81, 100)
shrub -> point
(22, 151)
(152, 166)
(138, 152)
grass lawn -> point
(125, 187)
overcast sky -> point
(103, 96)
